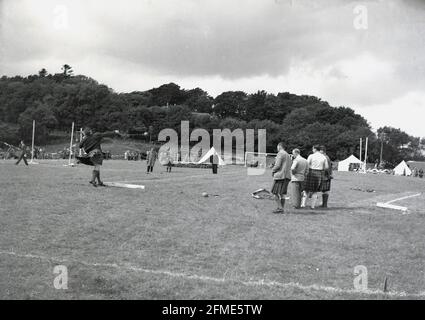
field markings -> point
(124, 185)
(404, 198)
(251, 283)
(390, 205)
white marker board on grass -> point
(124, 185)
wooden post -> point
(33, 139)
(70, 145)
(80, 153)
(365, 154)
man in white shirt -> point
(299, 171)
(317, 164)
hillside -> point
(57, 100)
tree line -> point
(56, 100)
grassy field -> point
(169, 242)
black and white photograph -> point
(226, 152)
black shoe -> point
(278, 211)
(101, 184)
(93, 183)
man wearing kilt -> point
(327, 177)
(317, 164)
(91, 144)
(281, 173)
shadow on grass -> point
(308, 211)
(321, 211)
(337, 208)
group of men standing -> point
(417, 173)
(307, 177)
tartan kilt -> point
(280, 187)
(314, 181)
(84, 160)
(94, 158)
(326, 185)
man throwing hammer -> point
(91, 144)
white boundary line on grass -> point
(404, 198)
(124, 185)
(389, 204)
(262, 282)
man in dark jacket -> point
(23, 154)
(281, 173)
(91, 144)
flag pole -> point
(70, 145)
(80, 152)
(32, 146)
(365, 156)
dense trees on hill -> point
(56, 100)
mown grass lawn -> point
(169, 242)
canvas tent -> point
(402, 169)
(210, 153)
(344, 165)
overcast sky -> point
(302, 46)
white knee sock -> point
(313, 200)
(303, 199)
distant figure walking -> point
(23, 154)
(151, 159)
(214, 162)
(169, 160)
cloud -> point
(405, 112)
(303, 46)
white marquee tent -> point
(344, 165)
(210, 153)
(402, 169)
